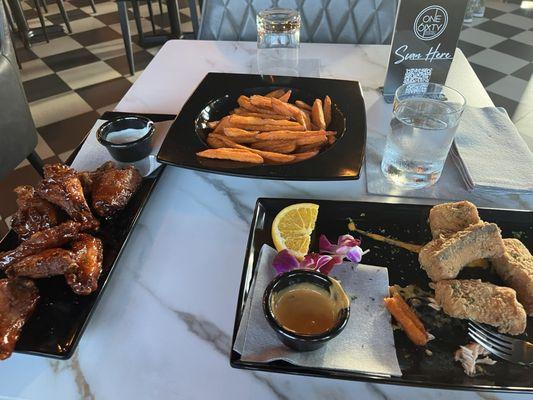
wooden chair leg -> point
(151, 13)
(64, 14)
(41, 20)
(160, 6)
(126, 34)
(36, 162)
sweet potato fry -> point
(268, 128)
(276, 93)
(317, 114)
(261, 101)
(240, 120)
(223, 153)
(241, 140)
(277, 146)
(267, 155)
(285, 108)
(240, 133)
(280, 135)
(286, 96)
(332, 139)
(327, 110)
(304, 120)
(311, 139)
(407, 319)
(308, 147)
(248, 113)
(212, 124)
(224, 122)
(303, 105)
(245, 103)
(214, 142)
(304, 156)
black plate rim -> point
(251, 172)
(235, 361)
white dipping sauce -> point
(126, 135)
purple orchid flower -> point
(347, 247)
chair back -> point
(323, 21)
(18, 136)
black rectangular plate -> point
(407, 223)
(343, 160)
(57, 324)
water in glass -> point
(422, 131)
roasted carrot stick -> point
(407, 319)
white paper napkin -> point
(490, 154)
(92, 154)
(366, 345)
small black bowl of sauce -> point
(127, 138)
(306, 308)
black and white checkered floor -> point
(73, 79)
(500, 49)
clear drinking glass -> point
(278, 40)
(425, 118)
(479, 8)
(469, 14)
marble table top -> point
(163, 327)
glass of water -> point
(425, 118)
(278, 40)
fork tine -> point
(489, 346)
(492, 332)
(482, 331)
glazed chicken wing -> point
(88, 253)
(47, 263)
(33, 214)
(62, 187)
(111, 188)
(18, 298)
(56, 236)
(88, 178)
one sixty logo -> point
(430, 23)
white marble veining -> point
(163, 327)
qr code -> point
(417, 75)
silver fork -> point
(514, 350)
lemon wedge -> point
(293, 226)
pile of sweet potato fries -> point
(269, 129)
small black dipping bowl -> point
(289, 338)
(130, 151)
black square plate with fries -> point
(435, 367)
(216, 97)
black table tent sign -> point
(424, 41)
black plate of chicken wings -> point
(64, 307)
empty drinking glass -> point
(479, 8)
(469, 13)
(278, 40)
(425, 118)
